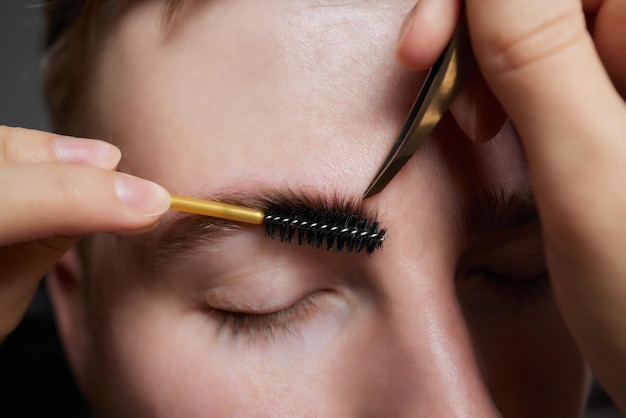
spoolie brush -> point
(332, 230)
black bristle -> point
(371, 244)
(282, 228)
(270, 228)
(291, 230)
(332, 230)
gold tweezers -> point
(443, 82)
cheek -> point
(159, 365)
(157, 357)
(528, 358)
(152, 363)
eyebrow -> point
(186, 233)
(493, 209)
(490, 209)
(171, 9)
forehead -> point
(307, 96)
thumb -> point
(49, 207)
(53, 189)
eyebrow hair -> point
(186, 233)
(494, 209)
(171, 10)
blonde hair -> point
(74, 30)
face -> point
(251, 98)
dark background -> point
(21, 27)
(34, 378)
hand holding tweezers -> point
(443, 82)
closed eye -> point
(266, 325)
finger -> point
(61, 199)
(610, 39)
(21, 268)
(426, 31)
(18, 145)
(68, 199)
(541, 63)
(520, 44)
(477, 111)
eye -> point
(516, 291)
(504, 271)
(266, 325)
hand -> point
(53, 190)
(561, 86)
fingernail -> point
(142, 196)
(406, 26)
(86, 151)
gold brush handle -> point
(217, 209)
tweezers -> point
(443, 82)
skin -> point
(444, 364)
(412, 330)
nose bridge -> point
(432, 370)
(435, 364)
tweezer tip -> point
(373, 189)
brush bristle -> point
(334, 231)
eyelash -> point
(265, 325)
(520, 290)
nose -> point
(422, 356)
(424, 364)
